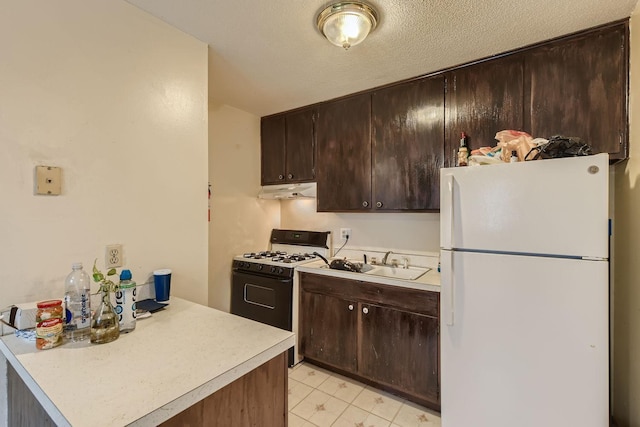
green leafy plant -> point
(106, 284)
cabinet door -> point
(579, 88)
(300, 146)
(484, 99)
(328, 330)
(343, 132)
(272, 142)
(408, 145)
(400, 349)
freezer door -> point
(524, 341)
(557, 207)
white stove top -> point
(284, 255)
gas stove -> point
(265, 284)
(289, 249)
(278, 264)
(280, 256)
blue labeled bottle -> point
(126, 302)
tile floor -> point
(321, 398)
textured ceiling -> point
(266, 56)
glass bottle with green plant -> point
(104, 323)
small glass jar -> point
(49, 324)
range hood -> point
(288, 191)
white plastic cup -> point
(162, 284)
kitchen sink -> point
(411, 273)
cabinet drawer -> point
(407, 299)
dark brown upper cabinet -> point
(483, 99)
(343, 132)
(272, 143)
(381, 150)
(578, 87)
(408, 145)
(288, 147)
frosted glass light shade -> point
(347, 24)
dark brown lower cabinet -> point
(400, 349)
(328, 333)
(386, 336)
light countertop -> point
(430, 281)
(172, 360)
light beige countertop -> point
(430, 281)
(172, 360)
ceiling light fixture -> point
(347, 24)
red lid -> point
(50, 303)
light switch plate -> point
(48, 180)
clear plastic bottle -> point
(126, 302)
(77, 302)
(463, 151)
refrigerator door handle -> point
(447, 229)
(447, 292)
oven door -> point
(262, 298)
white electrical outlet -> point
(113, 256)
(345, 233)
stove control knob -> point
(247, 265)
(260, 266)
(280, 270)
(273, 269)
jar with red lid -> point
(49, 324)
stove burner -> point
(279, 256)
(264, 254)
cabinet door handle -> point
(350, 307)
(365, 204)
(378, 204)
(290, 176)
(365, 310)
(280, 176)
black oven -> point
(263, 297)
(263, 283)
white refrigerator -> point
(525, 294)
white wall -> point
(240, 222)
(409, 231)
(626, 285)
(117, 99)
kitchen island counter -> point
(171, 361)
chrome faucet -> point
(405, 262)
(384, 258)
